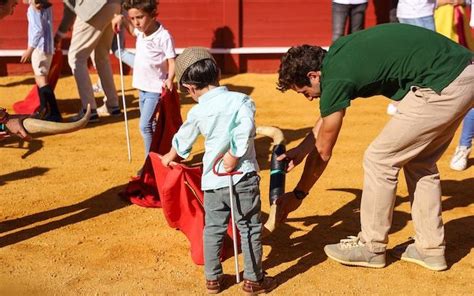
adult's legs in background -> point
(85, 38)
(340, 12)
(424, 22)
(463, 150)
(357, 17)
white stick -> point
(123, 100)
(234, 233)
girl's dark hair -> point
(201, 74)
(148, 6)
(295, 65)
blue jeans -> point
(424, 22)
(341, 12)
(147, 103)
(247, 219)
(467, 132)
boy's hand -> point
(169, 84)
(117, 23)
(230, 162)
(167, 159)
(27, 55)
(15, 127)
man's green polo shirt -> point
(387, 60)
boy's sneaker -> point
(459, 159)
(410, 254)
(94, 116)
(109, 111)
(215, 286)
(352, 251)
(265, 285)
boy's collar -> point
(212, 93)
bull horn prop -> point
(33, 126)
(277, 174)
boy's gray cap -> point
(188, 57)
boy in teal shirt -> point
(226, 120)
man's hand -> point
(27, 55)
(230, 162)
(15, 127)
(286, 204)
(294, 157)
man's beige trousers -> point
(414, 139)
(95, 35)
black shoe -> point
(55, 118)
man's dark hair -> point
(201, 74)
(295, 65)
(148, 6)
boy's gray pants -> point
(247, 220)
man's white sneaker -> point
(459, 159)
(410, 254)
(352, 251)
(108, 111)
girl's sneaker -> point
(459, 159)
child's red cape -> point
(176, 190)
(31, 103)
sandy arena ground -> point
(64, 230)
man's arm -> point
(66, 23)
(296, 155)
(327, 136)
(325, 133)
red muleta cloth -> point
(143, 190)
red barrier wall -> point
(219, 24)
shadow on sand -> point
(103, 203)
(307, 249)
